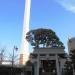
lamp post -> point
(13, 57)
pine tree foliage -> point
(46, 38)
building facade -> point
(71, 44)
(71, 49)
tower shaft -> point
(24, 45)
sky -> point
(58, 15)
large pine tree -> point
(46, 38)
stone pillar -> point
(37, 71)
(61, 67)
(38, 64)
(57, 65)
(35, 68)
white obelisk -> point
(24, 45)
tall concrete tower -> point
(24, 45)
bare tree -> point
(1, 55)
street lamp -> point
(13, 57)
